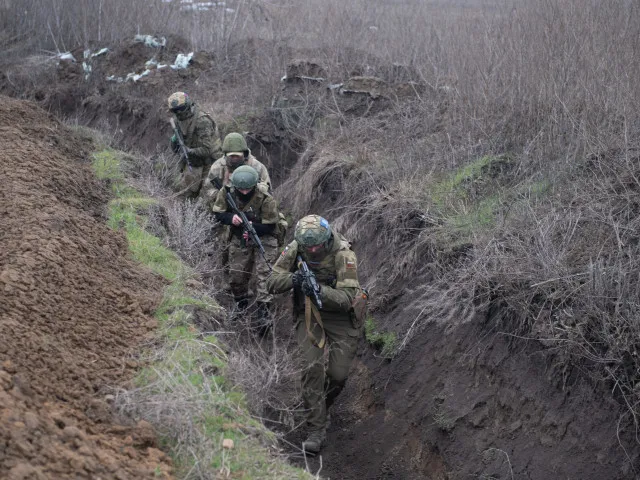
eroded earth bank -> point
(73, 308)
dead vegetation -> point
(507, 181)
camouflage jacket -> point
(201, 135)
(222, 172)
(261, 208)
(337, 274)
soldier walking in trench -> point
(336, 326)
(235, 153)
(244, 258)
(201, 139)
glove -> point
(297, 279)
(308, 290)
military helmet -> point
(312, 230)
(245, 177)
(179, 102)
(234, 144)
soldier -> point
(200, 135)
(261, 210)
(236, 153)
(338, 325)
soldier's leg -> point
(262, 268)
(239, 269)
(343, 345)
(313, 378)
(202, 189)
(190, 182)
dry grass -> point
(550, 243)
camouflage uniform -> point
(261, 209)
(222, 171)
(201, 137)
(337, 274)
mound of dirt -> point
(73, 308)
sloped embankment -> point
(73, 306)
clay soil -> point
(73, 307)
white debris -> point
(150, 41)
(162, 65)
(135, 76)
(87, 70)
(284, 77)
(100, 52)
(113, 78)
(200, 6)
(335, 86)
(86, 53)
(229, 10)
(182, 61)
(311, 79)
(64, 56)
(150, 63)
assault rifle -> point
(311, 278)
(183, 149)
(246, 224)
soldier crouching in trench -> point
(337, 325)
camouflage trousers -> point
(247, 261)
(322, 383)
(191, 181)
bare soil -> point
(73, 308)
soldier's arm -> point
(269, 217)
(220, 208)
(339, 298)
(207, 136)
(280, 279)
(210, 190)
(264, 177)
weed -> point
(385, 342)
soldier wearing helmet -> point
(200, 135)
(336, 327)
(235, 153)
(244, 260)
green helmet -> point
(245, 177)
(312, 230)
(234, 144)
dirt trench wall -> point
(470, 403)
(73, 306)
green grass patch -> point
(106, 164)
(385, 342)
(469, 199)
(186, 374)
(481, 215)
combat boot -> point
(314, 441)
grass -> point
(184, 391)
(385, 342)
